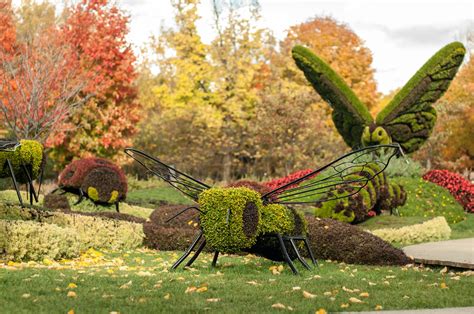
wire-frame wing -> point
(179, 180)
(8, 145)
(352, 171)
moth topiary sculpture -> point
(97, 179)
(22, 161)
(409, 117)
(234, 219)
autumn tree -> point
(34, 19)
(97, 29)
(39, 84)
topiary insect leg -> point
(188, 250)
(214, 260)
(285, 254)
(29, 184)
(15, 184)
(196, 254)
(315, 262)
(81, 197)
(298, 255)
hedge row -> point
(435, 229)
(460, 188)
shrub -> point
(275, 183)
(433, 230)
(234, 231)
(100, 233)
(54, 201)
(29, 240)
(174, 235)
(29, 153)
(100, 179)
(460, 188)
(426, 199)
(258, 187)
(335, 240)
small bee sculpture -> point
(236, 219)
(97, 179)
(22, 161)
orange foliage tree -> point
(96, 29)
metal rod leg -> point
(30, 186)
(188, 250)
(305, 240)
(298, 255)
(196, 254)
(117, 207)
(15, 184)
(214, 260)
(285, 254)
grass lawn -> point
(153, 197)
(139, 282)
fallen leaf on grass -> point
(71, 285)
(308, 295)
(201, 289)
(443, 286)
(213, 300)
(167, 296)
(347, 289)
(71, 294)
(126, 285)
(276, 270)
(327, 293)
(456, 278)
(70, 312)
(278, 306)
(321, 311)
(444, 270)
(364, 295)
(253, 283)
(344, 305)
(26, 295)
(355, 300)
(378, 307)
(145, 274)
(190, 289)
(296, 288)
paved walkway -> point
(454, 253)
(449, 310)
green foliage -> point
(277, 219)
(426, 199)
(436, 229)
(404, 167)
(241, 231)
(339, 209)
(350, 115)
(29, 153)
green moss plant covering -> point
(29, 153)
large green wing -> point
(410, 117)
(349, 114)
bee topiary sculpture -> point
(409, 117)
(22, 161)
(234, 219)
(97, 179)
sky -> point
(401, 34)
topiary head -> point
(230, 217)
(28, 154)
(375, 135)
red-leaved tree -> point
(96, 30)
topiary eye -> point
(380, 132)
(250, 219)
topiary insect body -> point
(23, 162)
(234, 219)
(97, 179)
(409, 117)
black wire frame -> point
(293, 191)
(186, 184)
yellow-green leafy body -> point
(233, 218)
(29, 153)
